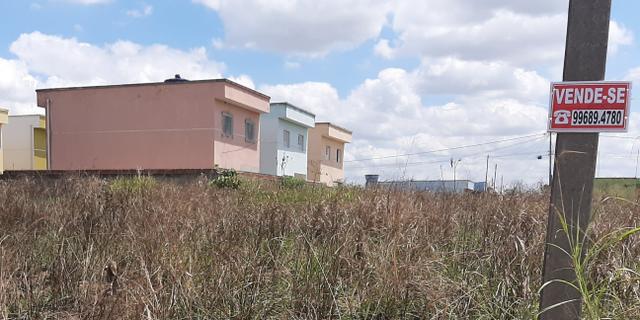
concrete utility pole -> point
(575, 161)
(486, 175)
(550, 159)
(495, 178)
(454, 165)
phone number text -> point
(597, 117)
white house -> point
(25, 143)
(284, 132)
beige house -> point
(4, 118)
(326, 153)
(25, 143)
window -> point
(249, 131)
(285, 138)
(227, 124)
(338, 155)
(327, 153)
(301, 142)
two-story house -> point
(284, 140)
(326, 153)
(176, 124)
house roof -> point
(289, 105)
(335, 126)
(174, 83)
(27, 115)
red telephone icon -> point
(561, 117)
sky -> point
(419, 82)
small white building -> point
(441, 186)
(283, 148)
(25, 143)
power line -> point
(448, 149)
(619, 137)
(466, 156)
(518, 144)
(447, 160)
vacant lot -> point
(85, 248)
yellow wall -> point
(4, 118)
(40, 149)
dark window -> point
(249, 131)
(338, 155)
(227, 124)
(327, 153)
(301, 142)
(285, 138)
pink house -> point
(176, 124)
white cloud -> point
(315, 28)
(244, 80)
(300, 27)
(122, 61)
(383, 49)
(618, 36)
(320, 98)
(634, 75)
(213, 4)
(503, 35)
(393, 114)
(146, 11)
(17, 87)
(88, 2)
(521, 32)
(51, 61)
(292, 64)
(455, 76)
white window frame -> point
(301, 142)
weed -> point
(226, 179)
(292, 182)
(131, 184)
(82, 248)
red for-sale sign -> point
(589, 106)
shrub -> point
(292, 183)
(226, 179)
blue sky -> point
(406, 76)
(185, 25)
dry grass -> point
(84, 248)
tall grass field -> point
(141, 248)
